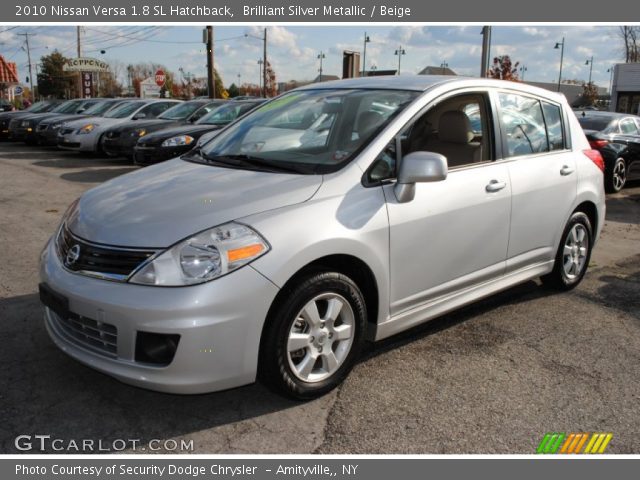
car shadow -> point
(76, 161)
(42, 391)
(624, 208)
(96, 175)
(522, 293)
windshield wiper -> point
(254, 163)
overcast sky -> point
(293, 50)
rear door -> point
(542, 172)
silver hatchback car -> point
(331, 215)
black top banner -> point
(282, 11)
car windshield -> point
(124, 110)
(225, 114)
(68, 107)
(40, 107)
(307, 131)
(594, 123)
(99, 108)
(180, 111)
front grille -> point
(66, 131)
(100, 336)
(42, 126)
(14, 123)
(112, 134)
(102, 261)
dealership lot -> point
(493, 378)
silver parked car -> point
(334, 214)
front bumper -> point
(48, 136)
(77, 142)
(121, 146)
(148, 155)
(219, 323)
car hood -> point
(165, 133)
(158, 206)
(101, 122)
(63, 117)
(152, 124)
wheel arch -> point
(349, 265)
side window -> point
(628, 127)
(457, 127)
(553, 120)
(155, 109)
(523, 122)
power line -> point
(142, 40)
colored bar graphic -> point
(572, 443)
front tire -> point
(314, 336)
(617, 178)
(574, 253)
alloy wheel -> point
(321, 337)
(576, 248)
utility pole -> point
(364, 54)
(486, 50)
(26, 39)
(80, 95)
(264, 65)
(399, 52)
(560, 45)
(320, 57)
(211, 82)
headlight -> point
(178, 141)
(25, 123)
(87, 128)
(204, 256)
(55, 126)
(141, 132)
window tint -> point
(155, 109)
(524, 124)
(628, 127)
(553, 120)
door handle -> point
(495, 186)
(566, 170)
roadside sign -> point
(160, 78)
(17, 90)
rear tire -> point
(617, 178)
(313, 337)
(574, 253)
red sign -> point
(160, 78)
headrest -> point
(454, 127)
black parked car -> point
(173, 142)
(6, 105)
(617, 137)
(38, 107)
(24, 128)
(121, 140)
(46, 130)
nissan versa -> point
(334, 214)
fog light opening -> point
(156, 348)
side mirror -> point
(138, 116)
(419, 167)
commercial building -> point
(625, 92)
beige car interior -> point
(446, 129)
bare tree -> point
(630, 36)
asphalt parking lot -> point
(492, 378)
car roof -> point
(422, 83)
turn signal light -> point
(244, 252)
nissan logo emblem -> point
(73, 255)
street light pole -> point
(590, 63)
(560, 45)
(399, 52)
(364, 54)
(523, 70)
(320, 56)
(260, 65)
(443, 65)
